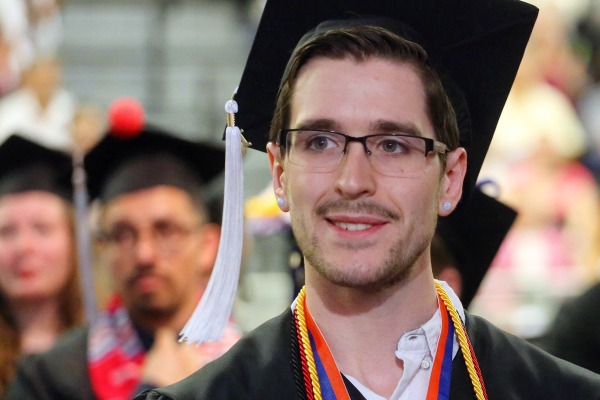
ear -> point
(278, 174)
(452, 181)
(451, 275)
(209, 235)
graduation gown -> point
(259, 367)
(61, 373)
(575, 333)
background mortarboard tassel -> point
(83, 234)
(479, 44)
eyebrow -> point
(379, 126)
(321, 123)
(386, 126)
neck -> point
(38, 323)
(362, 328)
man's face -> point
(157, 251)
(358, 228)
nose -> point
(145, 249)
(24, 240)
(355, 175)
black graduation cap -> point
(476, 47)
(472, 235)
(123, 163)
(27, 166)
(479, 45)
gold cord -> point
(310, 359)
(459, 328)
(461, 335)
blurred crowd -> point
(33, 99)
(543, 161)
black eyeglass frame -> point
(431, 145)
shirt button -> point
(425, 364)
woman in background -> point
(39, 286)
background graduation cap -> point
(476, 46)
(473, 235)
(27, 166)
(123, 163)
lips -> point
(355, 224)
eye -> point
(8, 231)
(121, 234)
(43, 229)
(393, 145)
(320, 141)
(167, 230)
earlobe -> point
(278, 175)
(452, 181)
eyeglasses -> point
(392, 154)
(168, 237)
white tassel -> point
(212, 313)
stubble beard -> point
(394, 269)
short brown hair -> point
(361, 43)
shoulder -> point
(58, 373)
(509, 363)
(257, 366)
(69, 351)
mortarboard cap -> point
(472, 235)
(119, 164)
(478, 44)
(27, 166)
(475, 46)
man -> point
(364, 153)
(159, 244)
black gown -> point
(59, 374)
(575, 333)
(259, 367)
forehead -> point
(38, 203)
(358, 95)
(145, 206)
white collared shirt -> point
(417, 348)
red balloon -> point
(126, 117)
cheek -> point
(6, 254)
(303, 190)
(59, 259)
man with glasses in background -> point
(158, 238)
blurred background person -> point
(39, 288)
(17, 47)
(158, 243)
(87, 127)
(46, 24)
(552, 252)
(41, 108)
(574, 334)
